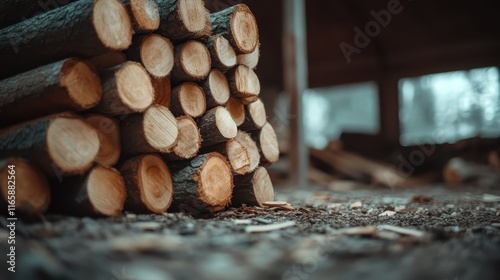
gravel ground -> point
(424, 233)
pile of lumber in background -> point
(140, 105)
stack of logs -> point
(139, 105)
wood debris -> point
(272, 227)
(279, 205)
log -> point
(108, 130)
(255, 116)
(24, 185)
(126, 89)
(85, 28)
(191, 62)
(206, 32)
(71, 84)
(144, 14)
(107, 60)
(236, 109)
(253, 189)
(251, 60)
(14, 11)
(154, 52)
(242, 153)
(222, 53)
(149, 184)
(188, 142)
(244, 84)
(216, 89)
(100, 192)
(181, 20)
(163, 91)
(62, 144)
(267, 141)
(216, 126)
(203, 184)
(238, 25)
(188, 99)
(153, 131)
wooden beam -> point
(295, 81)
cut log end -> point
(134, 87)
(243, 82)
(251, 149)
(251, 60)
(192, 14)
(223, 53)
(112, 24)
(81, 82)
(256, 116)
(262, 186)
(219, 87)
(236, 109)
(215, 181)
(157, 55)
(189, 141)
(164, 135)
(106, 191)
(188, 99)
(32, 188)
(244, 29)
(225, 123)
(192, 62)
(109, 138)
(145, 15)
(72, 144)
(253, 189)
(268, 142)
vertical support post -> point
(295, 82)
(389, 110)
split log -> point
(24, 184)
(253, 189)
(71, 84)
(255, 116)
(85, 28)
(100, 192)
(108, 130)
(154, 52)
(149, 184)
(15, 11)
(251, 60)
(107, 60)
(126, 89)
(238, 25)
(150, 132)
(188, 99)
(181, 20)
(192, 62)
(163, 91)
(221, 53)
(188, 142)
(144, 14)
(61, 144)
(216, 126)
(204, 184)
(244, 84)
(216, 89)
(267, 141)
(236, 109)
(242, 153)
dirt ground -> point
(440, 233)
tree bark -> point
(238, 25)
(154, 52)
(150, 132)
(149, 184)
(126, 89)
(144, 14)
(108, 60)
(24, 185)
(253, 189)
(189, 140)
(181, 20)
(100, 192)
(15, 11)
(188, 99)
(108, 130)
(71, 84)
(191, 62)
(204, 184)
(216, 89)
(216, 126)
(62, 144)
(84, 29)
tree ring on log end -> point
(219, 87)
(238, 156)
(81, 82)
(112, 24)
(262, 186)
(225, 52)
(106, 190)
(160, 128)
(192, 14)
(257, 113)
(146, 14)
(156, 185)
(192, 99)
(269, 143)
(189, 138)
(216, 181)
(134, 86)
(195, 59)
(157, 55)
(236, 109)
(252, 150)
(244, 29)
(247, 82)
(225, 123)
